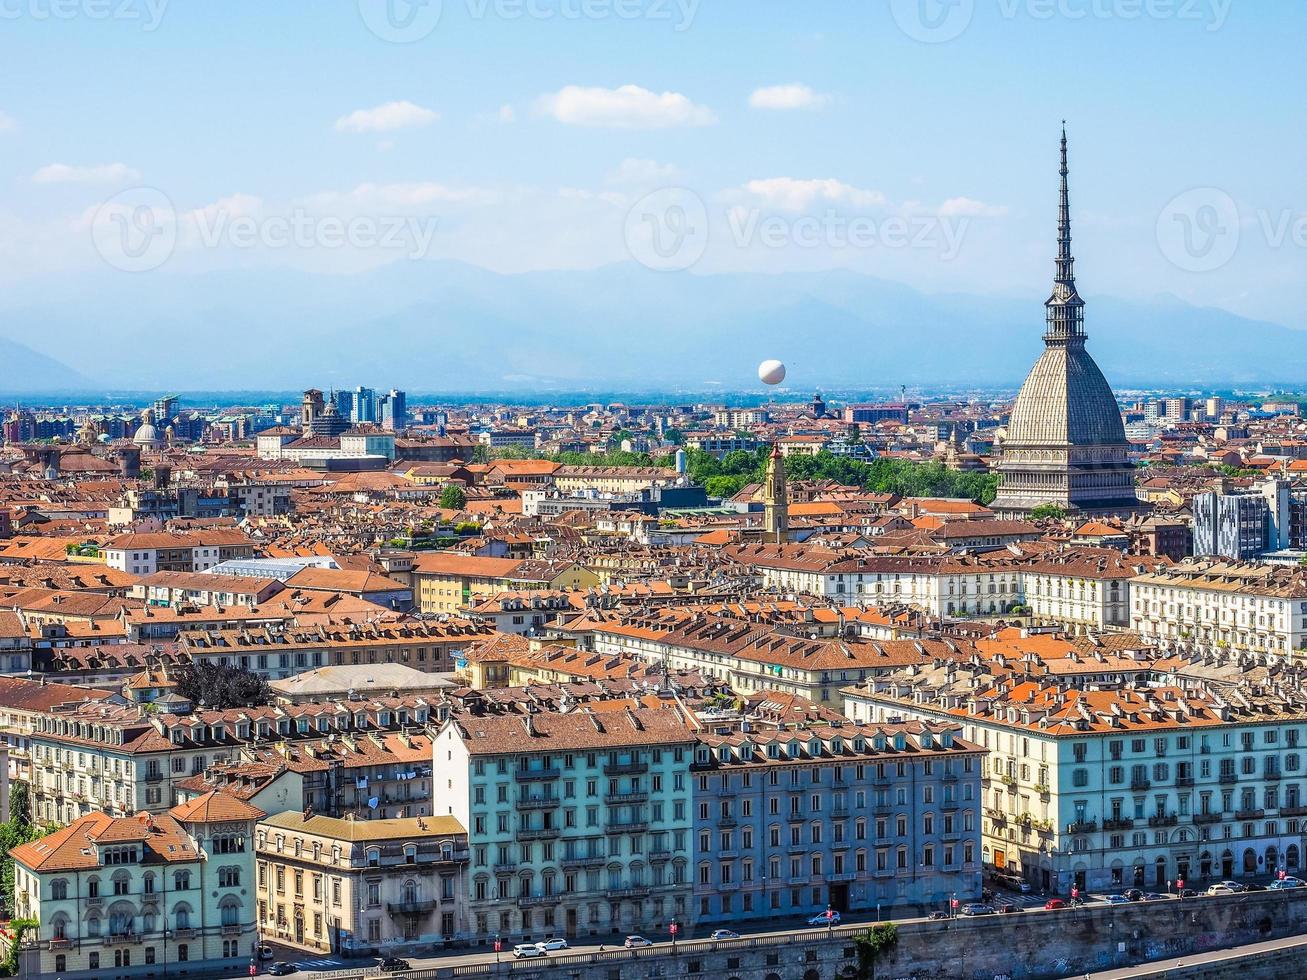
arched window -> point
(121, 919)
(58, 889)
(181, 916)
(181, 881)
(93, 925)
(121, 883)
(59, 927)
(231, 912)
(410, 891)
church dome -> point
(1065, 401)
(147, 436)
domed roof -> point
(1065, 401)
(147, 435)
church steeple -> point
(775, 500)
(1065, 310)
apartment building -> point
(1222, 607)
(356, 887)
(449, 582)
(137, 895)
(147, 553)
(852, 817)
(1109, 788)
(580, 822)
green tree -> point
(1048, 512)
(871, 944)
(480, 453)
(453, 497)
(221, 686)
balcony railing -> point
(629, 827)
(1140, 783)
(1227, 778)
(1184, 780)
(1163, 820)
(1249, 814)
(1118, 823)
(539, 833)
(618, 799)
(592, 861)
(1082, 827)
(538, 803)
(527, 901)
(626, 768)
(632, 891)
(526, 775)
(232, 930)
(414, 907)
(1205, 818)
(1293, 811)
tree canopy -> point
(221, 686)
(453, 497)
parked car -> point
(937, 914)
(1134, 894)
(1285, 883)
(830, 917)
(1234, 886)
(1055, 903)
(552, 945)
(1220, 889)
(1250, 887)
(977, 908)
(1154, 896)
(265, 952)
(1115, 899)
(280, 969)
(1006, 908)
(635, 942)
(724, 934)
(1190, 893)
(526, 950)
(394, 963)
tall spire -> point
(1064, 311)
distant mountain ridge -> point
(23, 371)
(446, 326)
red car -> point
(1054, 903)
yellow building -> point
(447, 581)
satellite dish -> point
(771, 372)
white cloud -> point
(387, 117)
(792, 96)
(402, 196)
(62, 173)
(7, 123)
(627, 107)
(966, 207)
(639, 172)
(794, 194)
(506, 113)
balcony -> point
(153, 777)
(1200, 819)
(183, 933)
(593, 861)
(1226, 778)
(630, 827)
(1042, 789)
(1271, 775)
(1118, 823)
(1082, 827)
(126, 939)
(626, 769)
(1163, 820)
(527, 775)
(660, 855)
(1140, 783)
(507, 868)
(530, 901)
(620, 799)
(633, 891)
(1249, 814)
(61, 942)
(997, 816)
(232, 930)
(1293, 811)
(414, 907)
(539, 833)
(1184, 780)
(538, 803)
(727, 822)
(839, 812)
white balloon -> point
(771, 372)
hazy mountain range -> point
(444, 326)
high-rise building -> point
(392, 410)
(1249, 523)
(1065, 440)
(365, 405)
(165, 409)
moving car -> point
(1286, 883)
(1234, 886)
(1054, 903)
(1134, 894)
(1115, 899)
(552, 945)
(724, 934)
(1190, 893)
(394, 963)
(265, 952)
(1252, 886)
(976, 908)
(1006, 908)
(825, 918)
(280, 969)
(635, 942)
(527, 950)
(937, 914)
(1220, 889)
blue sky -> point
(527, 133)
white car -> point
(553, 945)
(1221, 889)
(637, 942)
(527, 950)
